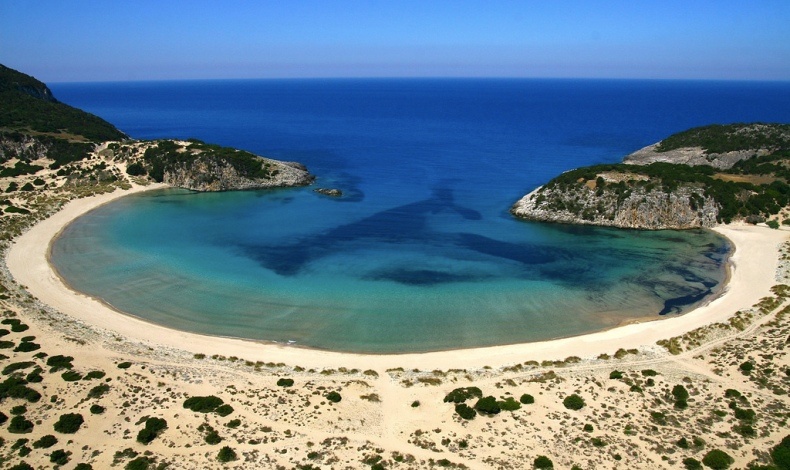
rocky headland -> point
(693, 179)
(37, 132)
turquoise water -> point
(170, 257)
(420, 253)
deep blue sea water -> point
(420, 253)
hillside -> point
(28, 106)
(697, 178)
(45, 143)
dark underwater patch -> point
(420, 277)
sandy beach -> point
(393, 411)
(752, 275)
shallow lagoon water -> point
(420, 254)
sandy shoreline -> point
(753, 267)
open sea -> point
(420, 253)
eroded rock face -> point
(691, 156)
(209, 175)
(683, 208)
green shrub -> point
(27, 347)
(17, 366)
(20, 425)
(153, 427)
(745, 414)
(460, 395)
(573, 402)
(234, 423)
(649, 373)
(45, 442)
(781, 454)
(16, 387)
(135, 169)
(97, 409)
(124, 365)
(487, 405)
(59, 362)
(59, 457)
(465, 411)
(746, 367)
(95, 374)
(680, 393)
(615, 374)
(509, 404)
(83, 466)
(717, 459)
(691, 463)
(598, 442)
(224, 410)
(69, 423)
(19, 410)
(415, 403)
(527, 399)
(98, 391)
(139, 463)
(212, 437)
(203, 404)
(71, 376)
(285, 382)
(543, 462)
(683, 443)
(226, 454)
(3, 418)
(22, 466)
(334, 397)
(731, 393)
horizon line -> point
(426, 77)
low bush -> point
(153, 427)
(509, 404)
(615, 374)
(71, 376)
(487, 405)
(69, 423)
(573, 402)
(460, 395)
(59, 362)
(527, 399)
(543, 462)
(465, 411)
(45, 442)
(203, 404)
(98, 391)
(60, 457)
(283, 382)
(124, 365)
(20, 425)
(97, 409)
(717, 459)
(334, 397)
(691, 463)
(781, 454)
(226, 454)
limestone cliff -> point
(211, 175)
(683, 208)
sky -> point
(109, 40)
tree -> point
(543, 462)
(465, 411)
(527, 399)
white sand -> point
(753, 269)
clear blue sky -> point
(80, 40)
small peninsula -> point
(86, 387)
(694, 179)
